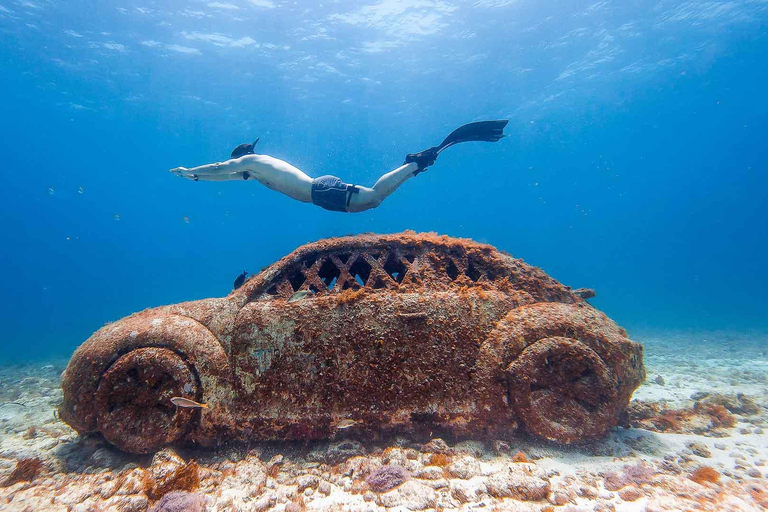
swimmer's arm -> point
(219, 171)
(233, 169)
(269, 171)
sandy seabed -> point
(693, 439)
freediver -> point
(330, 192)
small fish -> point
(240, 280)
(346, 423)
(585, 293)
(299, 295)
(179, 401)
(12, 403)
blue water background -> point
(636, 161)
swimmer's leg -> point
(368, 198)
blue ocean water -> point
(636, 161)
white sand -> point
(87, 474)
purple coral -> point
(387, 477)
(180, 501)
(636, 474)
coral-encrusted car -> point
(407, 333)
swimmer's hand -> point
(183, 172)
(179, 171)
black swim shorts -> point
(330, 193)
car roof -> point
(406, 261)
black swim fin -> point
(480, 131)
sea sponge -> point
(180, 501)
(705, 474)
(386, 477)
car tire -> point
(568, 370)
(171, 353)
(562, 390)
(133, 400)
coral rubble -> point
(628, 469)
(644, 469)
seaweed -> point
(183, 478)
(703, 417)
(25, 471)
(719, 415)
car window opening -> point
(329, 273)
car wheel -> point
(133, 399)
(562, 390)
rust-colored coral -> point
(439, 459)
(519, 457)
(705, 474)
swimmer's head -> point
(243, 149)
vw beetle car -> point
(406, 333)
